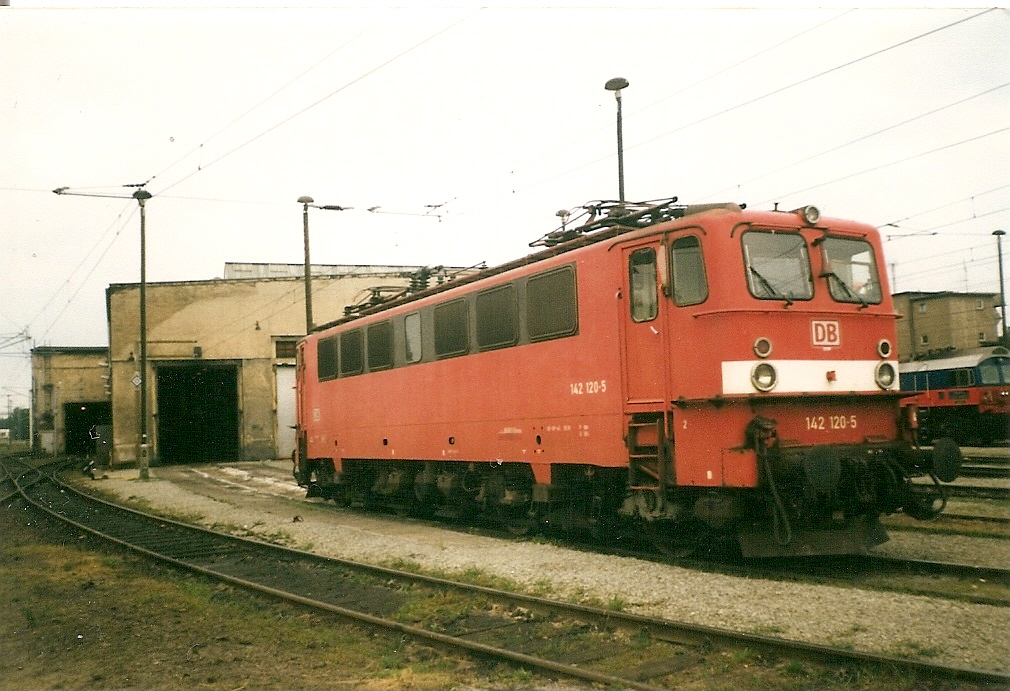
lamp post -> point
(142, 195)
(615, 85)
(1002, 295)
(306, 202)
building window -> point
(412, 340)
(380, 346)
(981, 337)
(552, 304)
(497, 317)
(924, 339)
(284, 349)
(922, 307)
(451, 333)
(351, 360)
(980, 304)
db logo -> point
(825, 333)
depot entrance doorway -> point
(198, 418)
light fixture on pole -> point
(306, 202)
(141, 195)
(615, 85)
(1002, 295)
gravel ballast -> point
(261, 499)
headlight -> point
(885, 375)
(763, 376)
(810, 214)
(762, 347)
(884, 348)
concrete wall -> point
(233, 320)
(63, 375)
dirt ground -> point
(82, 616)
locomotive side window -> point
(497, 317)
(451, 333)
(849, 266)
(412, 341)
(326, 358)
(351, 355)
(380, 346)
(963, 377)
(552, 304)
(690, 286)
(777, 266)
(644, 300)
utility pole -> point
(141, 195)
(1002, 295)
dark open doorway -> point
(198, 417)
(82, 423)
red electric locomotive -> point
(695, 372)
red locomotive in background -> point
(962, 395)
(696, 372)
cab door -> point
(644, 343)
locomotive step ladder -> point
(649, 453)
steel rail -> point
(662, 629)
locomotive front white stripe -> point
(806, 376)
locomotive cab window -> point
(851, 271)
(552, 304)
(351, 353)
(777, 266)
(497, 318)
(380, 346)
(412, 337)
(690, 286)
(995, 370)
(644, 300)
(451, 333)
(326, 358)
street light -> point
(306, 202)
(1002, 295)
(141, 195)
(615, 85)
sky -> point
(469, 128)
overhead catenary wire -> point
(325, 98)
(735, 107)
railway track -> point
(591, 644)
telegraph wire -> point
(84, 280)
(324, 98)
(859, 139)
(887, 165)
(743, 104)
(272, 95)
(81, 263)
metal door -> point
(644, 346)
(285, 433)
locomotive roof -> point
(958, 361)
(600, 220)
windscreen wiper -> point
(766, 284)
